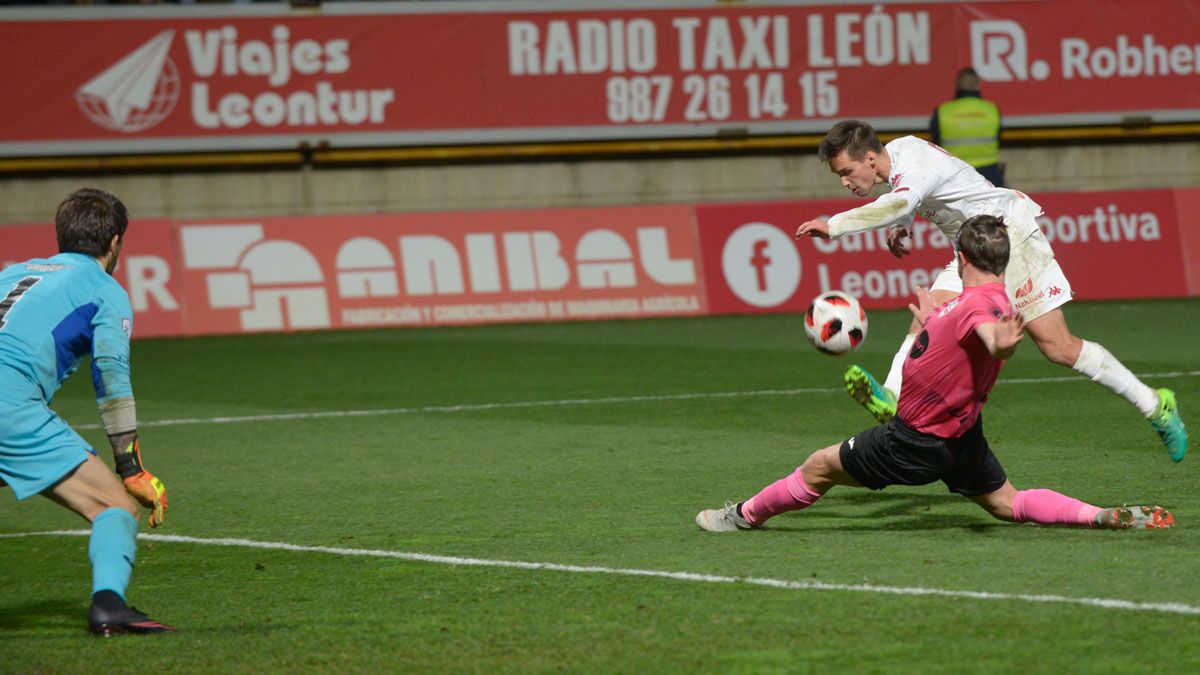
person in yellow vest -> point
(969, 127)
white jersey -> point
(930, 182)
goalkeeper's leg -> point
(93, 491)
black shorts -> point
(896, 454)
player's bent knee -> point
(111, 501)
(819, 469)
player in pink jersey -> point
(926, 180)
(937, 433)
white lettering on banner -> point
(300, 109)
(278, 284)
(1106, 225)
(218, 52)
(877, 284)
(146, 276)
(615, 46)
(876, 39)
(212, 48)
(762, 43)
(1128, 59)
(366, 269)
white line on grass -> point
(476, 407)
(1106, 603)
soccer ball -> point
(835, 323)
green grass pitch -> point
(586, 445)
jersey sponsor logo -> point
(949, 307)
(1028, 300)
(919, 345)
(41, 267)
(1024, 289)
(135, 93)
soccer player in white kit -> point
(926, 180)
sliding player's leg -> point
(1047, 507)
(797, 490)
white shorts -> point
(1036, 284)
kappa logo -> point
(1055, 290)
(1000, 52)
(135, 93)
(895, 180)
(1024, 289)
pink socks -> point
(1047, 507)
(790, 493)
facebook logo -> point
(761, 265)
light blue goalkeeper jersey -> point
(55, 310)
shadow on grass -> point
(882, 511)
(65, 614)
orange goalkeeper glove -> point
(140, 483)
(150, 493)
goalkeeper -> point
(53, 311)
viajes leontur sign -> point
(376, 74)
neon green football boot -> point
(863, 388)
(1169, 425)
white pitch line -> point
(476, 407)
(807, 585)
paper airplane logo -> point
(135, 93)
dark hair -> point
(854, 137)
(984, 241)
(967, 80)
(87, 221)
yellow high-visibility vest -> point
(970, 129)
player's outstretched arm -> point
(1002, 336)
(813, 228)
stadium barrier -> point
(243, 275)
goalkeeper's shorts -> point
(37, 448)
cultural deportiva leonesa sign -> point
(244, 275)
(113, 80)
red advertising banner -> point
(1111, 245)
(148, 269)
(433, 269)
(474, 267)
(753, 264)
(170, 79)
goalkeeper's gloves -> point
(150, 492)
(140, 483)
